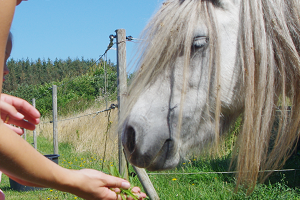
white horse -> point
(203, 64)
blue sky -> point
(76, 28)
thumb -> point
(115, 182)
(107, 180)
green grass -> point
(68, 159)
(169, 186)
(215, 186)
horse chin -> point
(164, 161)
(159, 163)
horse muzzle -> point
(148, 147)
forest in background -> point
(80, 82)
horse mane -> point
(268, 46)
(269, 53)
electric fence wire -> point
(112, 106)
(232, 172)
(134, 40)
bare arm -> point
(7, 9)
(21, 161)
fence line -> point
(112, 106)
(54, 100)
(230, 172)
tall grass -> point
(86, 131)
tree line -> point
(79, 82)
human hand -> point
(15, 111)
(94, 184)
(138, 193)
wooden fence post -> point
(54, 103)
(34, 131)
(146, 183)
(122, 92)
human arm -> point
(15, 111)
(20, 160)
(99, 184)
(7, 9)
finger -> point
(31, 119)
(10, 119)
(9, 110)
(109, 194)
(115, 182)
(29, 112)
(116, 190)
(22, 124)
(14, 107)
(137, 196)
(136, 190)
(142, 195)
(22, 106)
(17, 130)
(131, 198)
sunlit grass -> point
(184, 182)
(95, 133)
(169, 185)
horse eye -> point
(200, 41)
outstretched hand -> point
(85, 183)
(18, 112)
(103, 186)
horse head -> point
(203, 63)
(189, 62)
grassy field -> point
(82, 145)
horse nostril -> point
(169, 140)
(130, 139)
